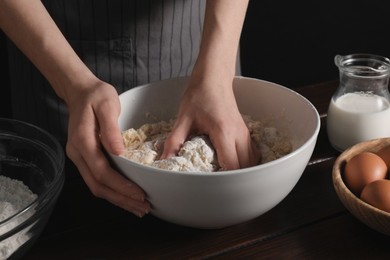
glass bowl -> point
(34, 157)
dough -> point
(145, 145)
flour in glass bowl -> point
(14, 196)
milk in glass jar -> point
(360, 108)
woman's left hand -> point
(211, 109)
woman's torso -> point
(124, 42)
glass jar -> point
(360, 108)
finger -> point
(135, 206)
(247, 153)
(107, 115)
(100, 168)
(226, 152)
(101, 179)
(176, 138)
(134, 201)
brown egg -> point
(362, 169)
(377, 194)
(384, 153)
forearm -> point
(221, 35)
(30, 27)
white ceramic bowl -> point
(220, 199)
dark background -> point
(292, 43)
(5, 106)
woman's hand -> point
(208, 105)
(207, 108)
(93, 114)
(93, 105)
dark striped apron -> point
(123, 42)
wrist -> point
(214, 72)
(72, 82)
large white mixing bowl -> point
(220, 199)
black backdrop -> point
(5, 106)
(293, 43)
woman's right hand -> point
(93, 105)
(93, 114)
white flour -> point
(14, 196)
(145, 144)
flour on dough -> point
(145, 145)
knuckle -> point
(96, 191)
(99, 176)
(70, 150)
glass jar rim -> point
(363, 64)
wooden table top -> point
(310, 223)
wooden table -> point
(310, 223)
